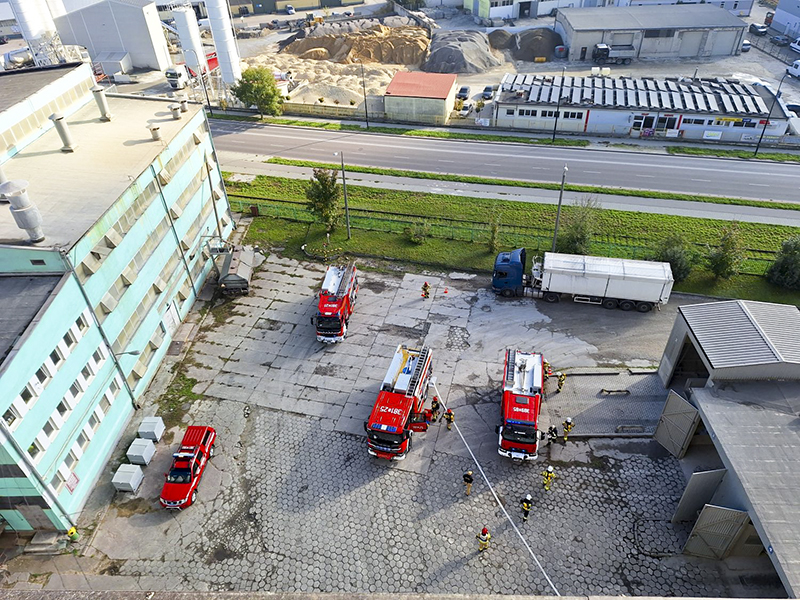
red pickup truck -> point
(188, 465)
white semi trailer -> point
(609, 282)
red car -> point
(188, 465)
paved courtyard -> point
(292, 502)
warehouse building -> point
(660, 31)
(787, 18)
(113, 211)
(736, 368)
(420, 97)
(698, 109)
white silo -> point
(189, 35)
(220, 20)
(57, 8)
(33, 18)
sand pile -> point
(460, 52)
(501, 39)
(531, 43)
(354, 26)
(382, 44)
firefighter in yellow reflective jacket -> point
(435, 408)
(527, 504)
(562, 377)
(450, 418)
(548, 476)
(426, 290)
(568, 425)
(483, 539)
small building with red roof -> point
(420, 97)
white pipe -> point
(222, 31)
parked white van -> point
(794, 70)
(795, 45)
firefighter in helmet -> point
(468, 481)
(568, 425)
(527, 504)
(426, 290)
(548, 475)
(562, 377)
(552, 434)
(483, 539)
(435, 408)
(547, 370)
(450, 417)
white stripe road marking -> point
(759, 184)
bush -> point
(578, 230)
(323, 198)
(725, 260)
(785, 271)
(418, 232)
(675, 251)
(494, 234)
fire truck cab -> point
(400, 408)
(336, 299)
(523, 391)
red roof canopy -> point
(421, 85)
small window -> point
(57, 482)
(26, 394)
(63, 409)
(105, 404)
(76, 390)
(69, 460)
(10, 417)
(34, 450)
(87, 372)
(94, 422)
(42, 374)
(56, 357)
(49, 429)
(114, 387)
(99, 357)
(509, 112)
(69, 339)
(37, 262)
(82, 441)
(82, 324)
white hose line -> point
(496, 498)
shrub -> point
(418, 232)
(494, 234)
(725, 260)
(785, 271)
(323, 198)
(675, 251)
(579, 221)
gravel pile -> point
(533, 43)
(501, 39)
(460, 52)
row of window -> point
(496, 3)
(551, 114)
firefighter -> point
(483, 539)
(468, 481)
(562, 377)
(548, 476)
(568, 425)
(547, 370)
(450, 418)
(426, 291)
(552, 434)
(435, 407)
(527, 504)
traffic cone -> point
(445, 290)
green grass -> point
(172, 403)
(586, 189)
(746, 154)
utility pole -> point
(558, 212)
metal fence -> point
(536, 239)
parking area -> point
(292, 502)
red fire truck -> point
(523, 392)
(188, 465)
(400, 408)
(336, 299)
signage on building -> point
(712, 135)
(72, 482)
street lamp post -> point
(771, 108)
(558, 105)
(558, 211)
(344, 187)
(202, 78)
(364, 88)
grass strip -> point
(586, 189)
(746, 154)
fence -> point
(536, 239)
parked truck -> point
(336, 299)
(610, 282)
(620, 55)
(188, 465)
(400, 410)
(523, 392)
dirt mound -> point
(501, 39)
(532, 43)
(460, 52)
(357, 25)
(393, 45)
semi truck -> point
(523, 392)
(620, 55)
(400, 410)
(610, 282)
(336, 299)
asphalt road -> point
(632, 170)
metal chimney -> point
(63, 132)
(154, 131)
(22, 209)
(102, 102)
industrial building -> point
(113, 209)
(420, 97)
(734, 367)
(697, 109)
(787, 18)
(659, 31)
(8, 24)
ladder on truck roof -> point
(511, 364)
(422, 359)
(344, 284)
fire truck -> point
(336, 299)
(400, 408)
(523, 392)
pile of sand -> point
(354, 26)
(501, 39)
(532, 43)
(392, 45)
(460, 52)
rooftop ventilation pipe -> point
(155, 131)
(102, 102)
(22, 209)
(176, 111)
(184, 104)
(63, 132)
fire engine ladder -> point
(417, 374)
(344, 284)
(511, 364)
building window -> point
(43, 374)
(105, 404)
(69, 460)
(573, 115)
(509, 112)
(87, 373)
(659, 33)
(99, 357)
(26, 394)
(50, 429)
(56, 357)
(526, 112)
(94, 422)
(63, 410)
(34, 450)
(82, 441)
(82, 323)
(10, 416)
(69, 339)
(57, 482)
(76, 390)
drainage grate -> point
(174, 348)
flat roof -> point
(657, 16)
(738, 333)
(406, 84)
(21, 298)
(16, 86)
(754, 429)
(72, 190)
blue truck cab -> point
(508, 277)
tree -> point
(675, 251)
(257, 88)
(323, 197)
(576, 237)
(725, 260)
(785, 271)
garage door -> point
(698, 492)
(725, 43)
(677, 424)
(690, 43)
(622, 39)
(715, 532)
